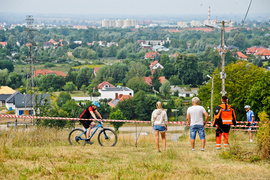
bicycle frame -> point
(92, 134)
(105, 136)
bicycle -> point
(106, 137)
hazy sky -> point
(134, 7)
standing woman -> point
(159, 122)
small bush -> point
(237, 149)
(172, 119)
(263, 136)
(11, 112)
(49, 65)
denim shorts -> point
(194, 129)
(159, 128)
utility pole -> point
(223, 74)
(212, 96)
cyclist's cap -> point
(247, 106)
(224, 98)
(96, 103)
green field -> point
(42, 153)
(63, 67)
(58, 67)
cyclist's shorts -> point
(251, 126)
(86, 124)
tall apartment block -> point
(119, 23)
(130, 23)
(182, 24)
(195, 23)
(108, 23)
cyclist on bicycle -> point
(87, 113)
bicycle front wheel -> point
(107, 137)
(77, 137)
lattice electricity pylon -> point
(29, 99)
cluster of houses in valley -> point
(119, 93)
(156, 46)
(23, 104)
(54, 44)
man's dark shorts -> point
(85, 123)
(251, 126)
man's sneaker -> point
(218, 148)
(88, 142)
(193, 149)
(250, 140)
(202, 149)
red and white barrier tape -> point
(185, 123)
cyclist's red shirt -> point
(86, 113)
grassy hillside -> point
(42, 153)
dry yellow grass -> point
(41, 153)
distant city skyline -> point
(138, 7)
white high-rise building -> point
(195, 23)
(130, 23)
(119, 23)
(108, 23)
(182, 24)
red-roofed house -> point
(105, 84)
(146, 46)
(253, 50)
(241, 56)
(161, 79)
(173, 55)
(263, 54)
(148, 80)
(118, 99)
(151, 55)
(154, 65)
(53, 41)
(3, 44)
(48, 71)
(28, 44)
(69, 53)
(79, 27)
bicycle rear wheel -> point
(77, 137)
(107, 137)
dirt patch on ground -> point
(3, 111)
(5, 120)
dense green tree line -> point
(245, 84)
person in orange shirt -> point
(223, 119)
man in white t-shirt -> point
(195, 119)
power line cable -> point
(246, 15)
(242, 22)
